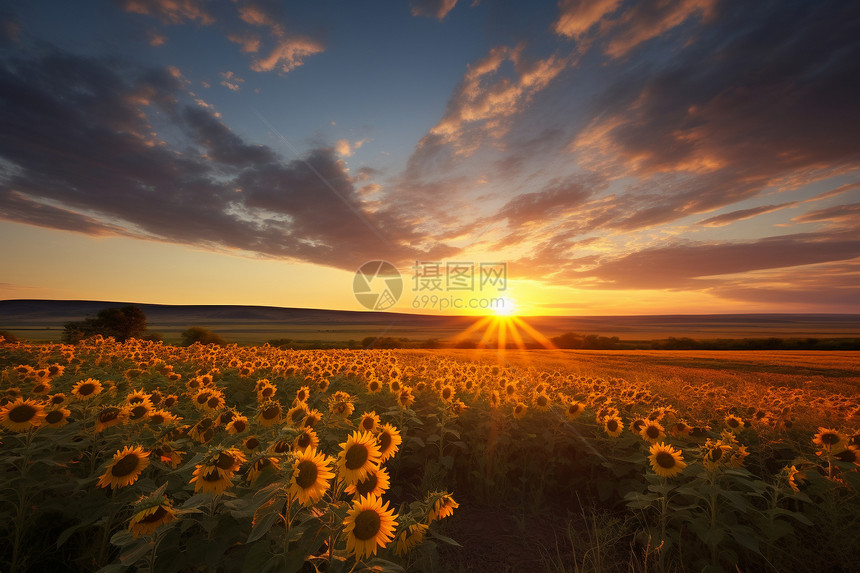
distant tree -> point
(201, 335)
(152, 337)
(280, 342)
(120, 323)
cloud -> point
(170, 11)
(432, 8)
(743, 214)
(287, 52)
(732, 114)
(345, 149)
(623, 27)
(231, 81)
(81, 151)
(838, 214)
(688, 265)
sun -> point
(505, 306)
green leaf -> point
(432, 534)
(136, 552)
(263, 526)
(385, 566)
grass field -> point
(152, 457)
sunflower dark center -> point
(158, 515)
(307, 475)
(716, 454)
(138, 412)
(40, 388)
(271, 412)
(225, 461)
(239, 425)
(54, 417)
(374, 386)
(298, 415)
(135, 400)
(212, 476)
(652, 432)
(356, 456)
(86, 389)
(830, 438)
(368, 423)
(367, 485)
(665, 460)
(304, 440)
(203, 398)
(367, 524)
(213, 402)
(267, 392)
(542, 401)
(384, 441)
(252, 443)
(612, 425)
(156, 419)
(849, 456)
(57, 399)
(22, 413)
(446, 393)
(733, 423)
(281, 447)
(125, 466)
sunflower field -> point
(148, 457)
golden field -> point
(143, 456)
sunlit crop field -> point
(141, 456)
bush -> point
(201, 335)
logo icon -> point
(377, 285)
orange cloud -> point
(171, 11)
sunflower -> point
(313, 418)
(297, 414)
(86, 389)
(170, 400)
(447, 392)
(734, 423)
(374, 386)
(251, 443)
(21, 415)
(209, 479)
(613, 425)
(441, 507)
(237, 425)
(850, 455)
(714, 454)
(410, 537)
(495, 400)
(652, 431)
(41, 387)
(270, 413)
(302, 394)
(388, 439)
(738, 456)
(138, 397)
(830, 440)
(149, 514)
(126, 467)
(307, 438)
(168, 456)
(369, 524)
(377, 483)
(520, 410)
(359, 453)
(795, 477)
(57, 418)
(261, 465)
(665, 460)
(679, 429)
(311, 476)
(227, 461)
(161, 417)
(368, 422)
(139, 412)
(542, 401)
(405, 398)
(111, 416)
(574, 410)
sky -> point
(613, 157)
